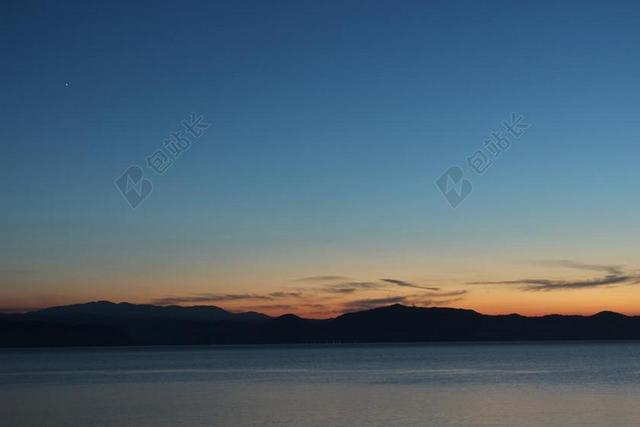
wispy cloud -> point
(201, 298)
(556, 285)
(350, 287)
(616, 276)
(406, 284)
(368, 303)
(420, 300)
(611, 269)
(288, 307)
(326, 278)
(446, 294)
(286, 295)
(329, 293)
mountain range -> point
(104, 323)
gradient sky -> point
(330, 122)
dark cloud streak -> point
(326, 278)
(611, 269)
(406, 284)
(616, 276)
(210, 298)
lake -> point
(465, 384)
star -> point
(66, 84)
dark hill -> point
(123, 310)
(106, 323)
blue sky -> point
(329, 125)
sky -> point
(312, 183)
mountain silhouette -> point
(105, 323)
(126, 310)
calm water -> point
(542, 384)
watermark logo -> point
(454, 186)
(133, 185)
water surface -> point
(525, 384)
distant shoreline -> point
(187, 347)
(105, 324)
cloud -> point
(330, 297)
(616, 276)
(347, 285)
(287, 307)
(384, 284)
(556, 285)
(327, 278)
(365, 304)
(350, 287)
(578, 284)
(446, 294)
(420, 300)
(611, 269)
(436, 302)
(285, 294)
(408, 284)
(209, 298)
(445, 302)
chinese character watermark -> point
(452, 183)
(133, 185)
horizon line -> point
(22, 311)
